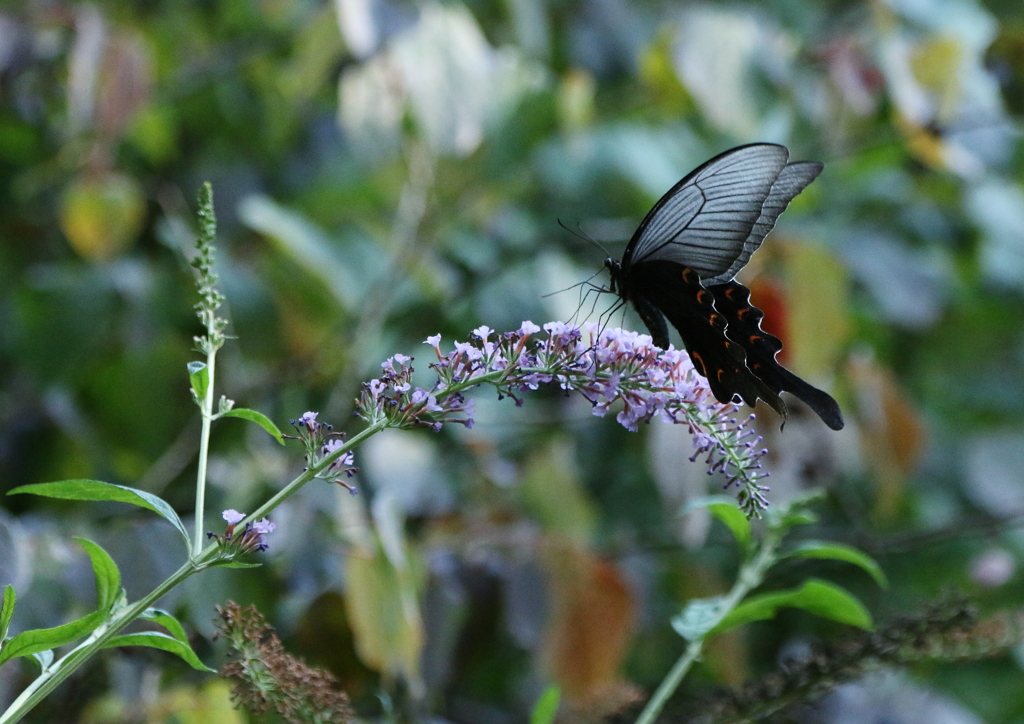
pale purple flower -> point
(232, 516)
(255, 536)
(610, 368)
(341, 465)
(252, 538)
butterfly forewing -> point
(704, 221)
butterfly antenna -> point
(579, 233)
(577, 284)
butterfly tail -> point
(744, 329)
(780, 379)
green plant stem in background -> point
(206, 410)
(751, 576)
(210, 300)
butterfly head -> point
(615, 270)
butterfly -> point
(681, 262)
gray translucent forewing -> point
(704, 221)
(791, 181)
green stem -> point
(204, 453)
(294, 486)
(66, 665)
(751, 576)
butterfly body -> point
(680, 263)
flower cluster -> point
(321, 443)
(392, 397)
(607, 367)
(253, 537)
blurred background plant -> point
(390, 170)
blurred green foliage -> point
(387, 170)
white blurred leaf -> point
(453, 82)
(994, 462)
(405, 466)
(997, 206)
(935, 71)
(909, 285)
(371, 105)
(717, 51)
(679, 481)
(355, 18)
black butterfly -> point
(681, 262)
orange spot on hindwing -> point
(700, 367)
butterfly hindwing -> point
(676, 291)
(743, 327)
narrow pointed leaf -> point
(546, 707)
(108, 578)
(724, 508)
(103, 492)
(28, 643)
(199, 377)
(7, 611)
(826, 550)
(259, 418)
(166, 620)
(815, 596)
(158, 640)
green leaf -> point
(104, 492)
(32, 642)
(7, 611)
(259, 418)
(108, 578)
(199, 377)
(827, 550)
(158, 640)
(166, 620)
(546, 707)
(724, 508)
(700, 616)
(815, 596)
(796, 512)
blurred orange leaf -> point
(892, 435)
(591, 620)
